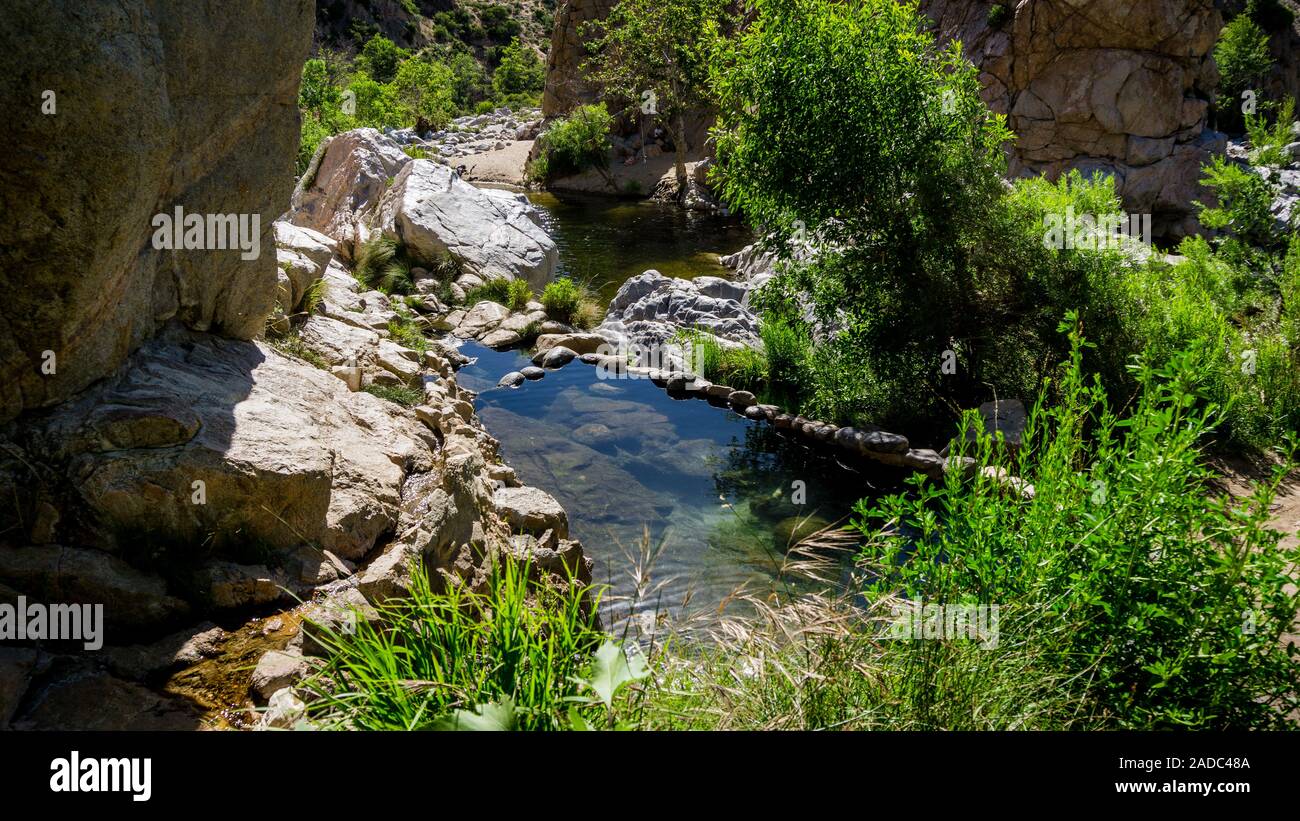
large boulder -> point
(434, 212)
(150, 113)
(650, 308)
(218, 445)
(340, 192)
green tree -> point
(377, 105)
(520, 71)
(424, 89)
(469, 80)
(380, 58)
(1243, 58)
(846, 125)
(655, 54)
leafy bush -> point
(998, 14)
(380, 58)
(1244, 202)
(1268, 143)
(520, 72)
(512, 293)
(425, 90)
(573, 144)
(1160, 604)
(1243, 59)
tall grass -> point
(515, 294)
(571, 302)
(381, 264)
(1155, 601)
(435, 658)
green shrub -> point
(573, 144)
(425, 90)
(515, 294)
(1268, 143)
(1160, 603)
(380, 58)
(998, 14)
(563, 300)
(520, 71)
(1243, 59)
(1244, 202)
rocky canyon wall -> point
(1117, 86)
(122, 111)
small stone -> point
(741, 399)
(276, 670)
(533, 372)
(755, 413)
(557, 357)
(511, 380)
(283, 710)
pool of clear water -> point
(716, 496)
(604, 241)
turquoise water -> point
(713, 492)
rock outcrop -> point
(361, 182)
(1117, 86)
(565, 86)
(161, 118)
(650, 309)
(172, 463)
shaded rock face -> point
(283, 454)
(151, 111)
(565, 87)
(1117, 86)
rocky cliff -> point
(1118, 86)
(132, 111)
(172, 464)
(565, 86)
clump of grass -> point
(416, 152)
(510, 656)
(571, 302)
(291, 344)
(381, 264)
(405, 331)
(740, 367)
(315, 295)
(512, 293)
(404, 395)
